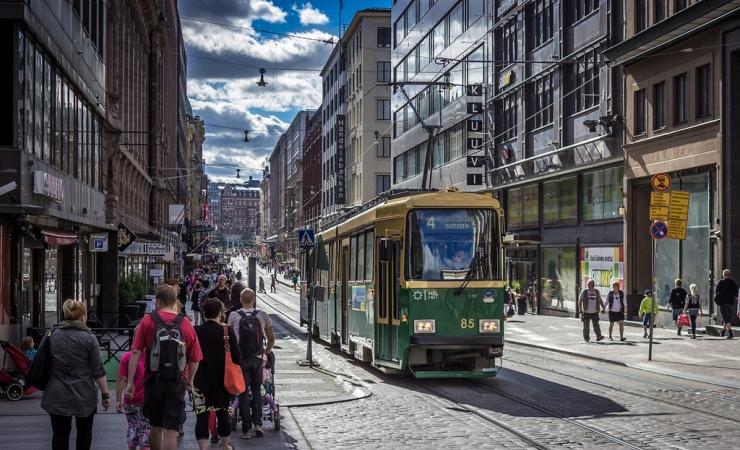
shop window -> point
(523, 206)
(559, 278)
(659, 119)
(560, 201)
(679, 98)
(703, 91)
(602, 194)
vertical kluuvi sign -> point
(474, 142)
(339, 188)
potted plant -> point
(131, 288)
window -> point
(541, 21)
(560, 201)
(508, 43)
(660, 6)
(369, 241)
(659, 119)
(602, 194)
(398, 167)
(639, 112)
(360, 275)
(508, 118)
(475, 66)
(582, 8)
(412, 161)
(586, 89)
(438, 40)
(703, 91)
(542, 101)
(679, 98)
(383, 109)
(455, 18)
(410, 16)
(384, 71)
(425, 51)
(423, 7)
(384, 36)
(353, 258)
(640, 15)
(383, 149)
(382, 183)
(455, 75)
(456, 142)
(678, 5)
(523, 207)
(475, 11)
(439, 150)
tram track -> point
(640, 395)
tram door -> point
(343, 294)
(387, 320)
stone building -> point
(240, 214)
(311, 201)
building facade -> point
(366, 49)
(334, 126)
(213, 195)
(295, 136)
(679, 103)
(277, 229)
(52, 205)
(311, 201)
(239, 214)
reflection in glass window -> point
(523, 206)
(452, 244)
(438, 40)
(602, 195)
(456, 22)
(559, 201)
(475, 66)
(456, 78)
(475, 11)
(369, 240)
(456, 141)
(559, 278)
(439, 150)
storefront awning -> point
(56, 238)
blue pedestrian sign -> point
(659, 230)
(306, 238)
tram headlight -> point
(489, 325)
(424, 326)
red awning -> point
(58, 237)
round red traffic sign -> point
(659, 230)
(661, 181)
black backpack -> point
(167, 357)
(251, 340)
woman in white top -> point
(616, 304)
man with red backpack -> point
(251, 327)
(168, 341)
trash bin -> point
(521, 305)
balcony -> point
(600, 149)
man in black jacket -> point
(725, 295)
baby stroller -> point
(270, 407)
(12, 381)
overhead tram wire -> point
(329, 40)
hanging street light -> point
(262, 81)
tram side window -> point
(360, 276)
(369, 240)
(352, 258)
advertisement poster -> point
(604, 265)
(358, 298)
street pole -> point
(652, 306)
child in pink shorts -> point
(137, 435)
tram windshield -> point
(452, 244)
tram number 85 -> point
(467, 323)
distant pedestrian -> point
(195, 302)
(590, 303)
(273, 281)
(677, 302)
(648, 311)
(167, 340)
(252, 326)
(76, 368)
(532, 299)
(221, 291)
(294, 279)
(209, 393)
(615, 304)
(137, 434)
(693, 308)
(262, 286)
(725, 295)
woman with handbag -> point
(213, 379)
(693, 307)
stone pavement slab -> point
(706, 358)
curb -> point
(638, 366)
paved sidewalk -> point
(706, 358)
(295, 386)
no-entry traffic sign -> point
(659, 230)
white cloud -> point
(308, 15)
(267, 11)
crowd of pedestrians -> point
(173, 355)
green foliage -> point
(131, 288)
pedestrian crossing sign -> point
(306, 238)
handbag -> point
(233, 376)
(683, 320)
(40, 370)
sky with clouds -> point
(227, 41)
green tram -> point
(414, 284)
